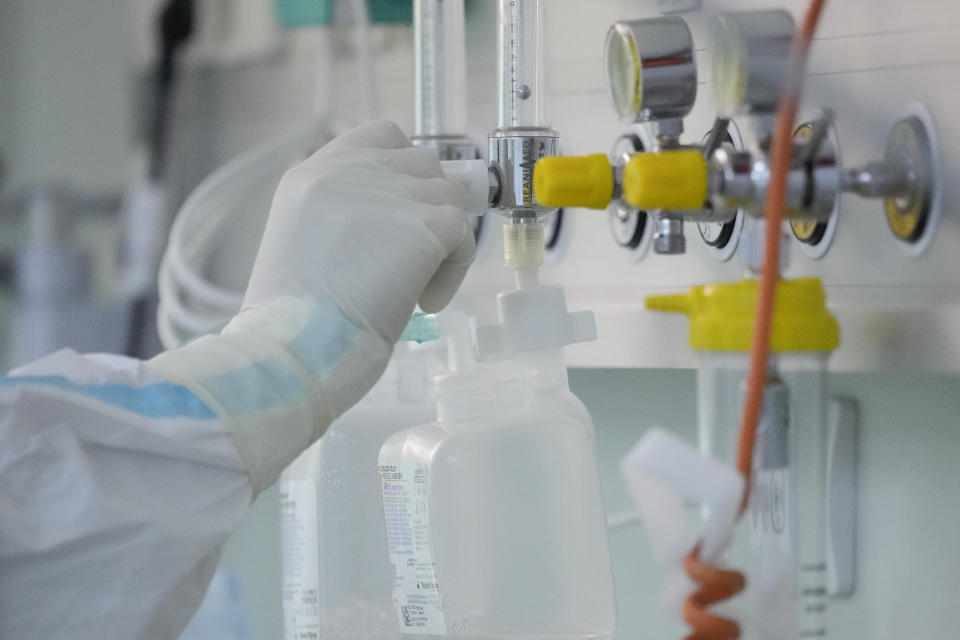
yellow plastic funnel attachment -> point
(722, 316)
(573, 181)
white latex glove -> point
(357, 234)
(371, 222)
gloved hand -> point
(370, 222)
(357, 234)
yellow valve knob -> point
(672, 180)
(574, 181)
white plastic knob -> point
(474, 175)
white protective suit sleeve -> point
(120, 480)
(117, 489)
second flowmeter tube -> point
(441, 109)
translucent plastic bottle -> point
(545, 374)
(529, 360)
(782, 538)
(783, 532)
(336, 571)
(533, 325)
(495, 518)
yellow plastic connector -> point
(672, 180)
(722, 316)
(574, 181)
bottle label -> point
(416, 593)
(299, 560)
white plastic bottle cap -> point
(534, 319)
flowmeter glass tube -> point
(521, 68)
(440, 76)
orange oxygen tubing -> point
(716, 584)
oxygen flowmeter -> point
(523, 134)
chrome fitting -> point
(905, 179)
(513, 154)
(740, 179)
(668, 236)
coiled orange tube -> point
(714, 583)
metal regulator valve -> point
(750, 58)
(652, 80)
(710, 184)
